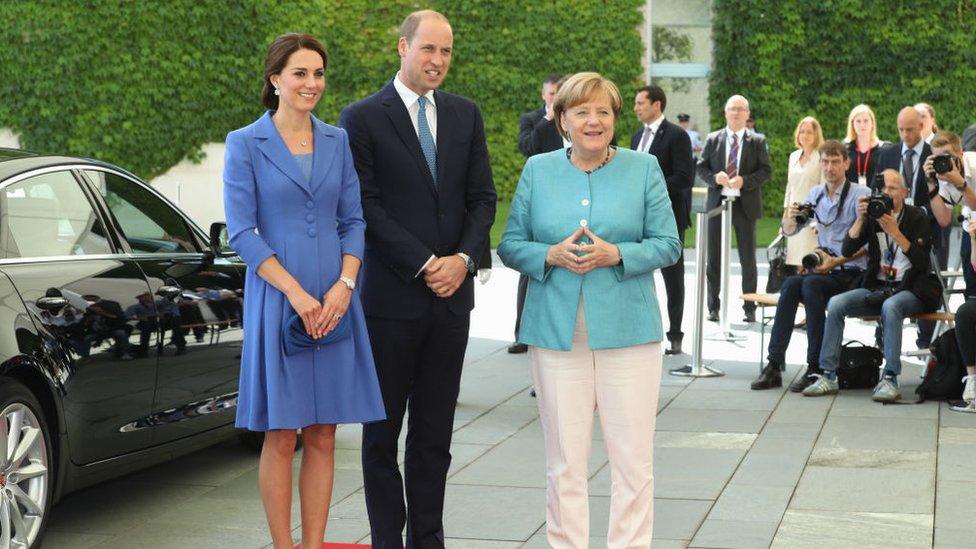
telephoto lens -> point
(811, 261)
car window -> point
(149, 224)
(49, 215)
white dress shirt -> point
(653, 127)
(410, 98)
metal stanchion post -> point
(696, 368)
(725, 331)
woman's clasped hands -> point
(582, 258)
(320, 318)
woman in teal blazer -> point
(589, 225)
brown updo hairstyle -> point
(278, 54)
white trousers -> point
(623, 384)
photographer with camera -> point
(898, 282)
(952, 173)
(825, 271)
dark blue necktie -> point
(426, 138)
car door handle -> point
(51, 304)
(169, 292)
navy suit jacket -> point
(538, 135)
(889, 158)
(753, 167)
(409, 216)
(672, 148)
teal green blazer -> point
(625, 203)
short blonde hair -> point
(818, 137)
(408, 29)
(861, 109)
(931, 110)
(580, 88)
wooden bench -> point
(763, 301)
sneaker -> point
(822, 386)
(807, 379)
(886, 391)
(969, 389)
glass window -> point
(149, 224)
(49, 215)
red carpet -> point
(339, 546)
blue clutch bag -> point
(295, 339)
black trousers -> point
(418, 363)
(966, 331)
(523, 286)
(674, 286)
(940, 246)
(745, 234)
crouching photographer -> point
(898, 282)
(825, 272)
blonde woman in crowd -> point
(863, 144)
(803, 175)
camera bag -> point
(943, 376)
(860, 366)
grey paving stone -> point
(518, 461)
(463, 454)
(769, 469)
(341, 530)
(538, 541)
(496, 425)
(209, 467)
(879, 459)
(713, 421)
(878, 490)
(179, 536)
(714, 441)
(955, 501)
(957, 435)
(804, 431)
(735, 534)
(948, 418)
(803, 529)
(793, 448)
(954, 538)
(740, 503)
(493, 513)
(848, 404)
(70, 540)
(677, 519)
(683, 473)
(114, 507)
(796, 408)
(236, 513)
(735, 399)
(462, 543)
(480, 348)
(956, 462)
(874, 433)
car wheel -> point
(254, 440)
(26, 469)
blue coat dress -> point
(272, 209)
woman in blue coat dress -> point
(292, 202)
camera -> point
(942, 163)
(804, 213)
(815, 258)
(879, 204)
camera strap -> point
(840, 204)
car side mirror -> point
(219, 239)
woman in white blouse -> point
(803, 175)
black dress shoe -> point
(713, 316)
(675, 348)
(768, 379)
(518, 348)
(532, 393)
(750, 317)
(801, 383)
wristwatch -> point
(468, 263)
(350, 283)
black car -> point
(120, 332)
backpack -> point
(943, 377)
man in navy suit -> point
(429, 202)
(734, 161)
(671, 145)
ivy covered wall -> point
(793, 59)
(145, 84)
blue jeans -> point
(813, 290)
(893, 312)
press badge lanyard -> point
(862, 174)
(891, 244)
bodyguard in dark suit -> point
(537, 130)
(734, 158)
(671, 145)
(429, 202)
